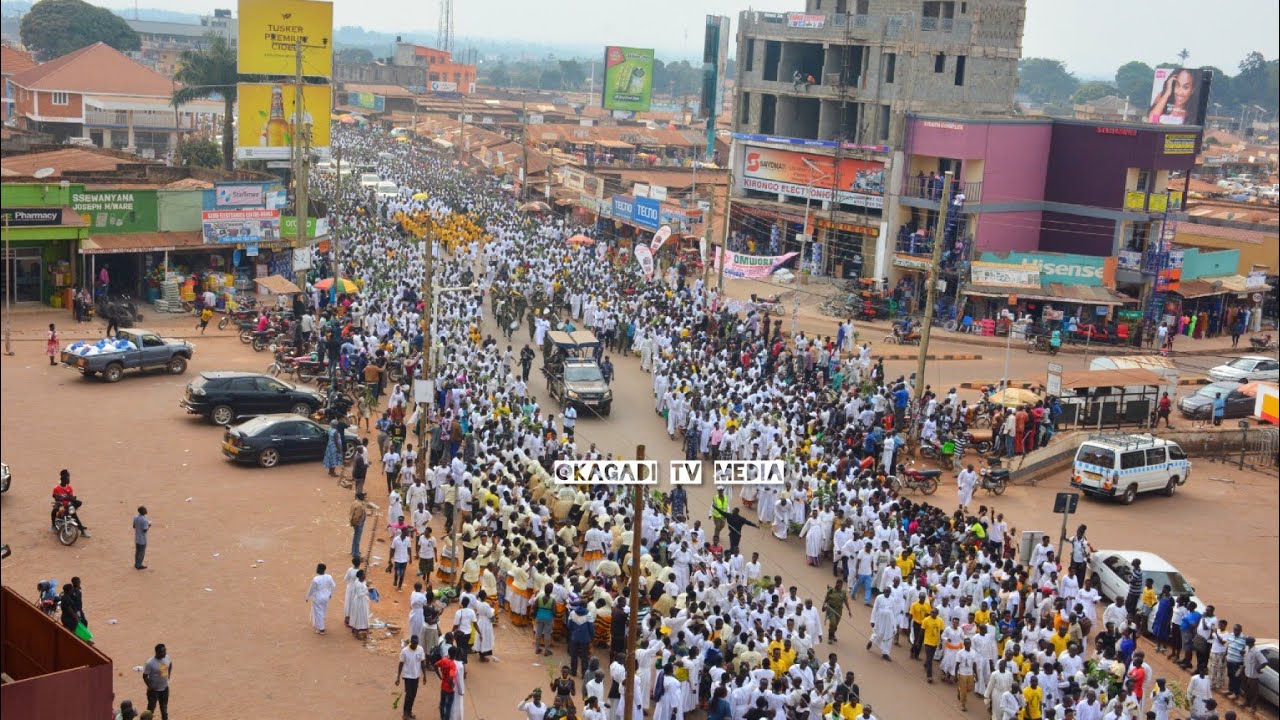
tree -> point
(1183, 54)
(499, 77)
(1256, 83)
(54, 28)
(206, 73)
(199, 152)
(1046, 80)
(1090, 91)
(353, 56)
(572, 73)
(1133, 81)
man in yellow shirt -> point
(931, 629)
(1060, 640)
(1033, 700)
(918, 611)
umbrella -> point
(344, 285)
(534, 207)
(1013, 397)
(420, 196)
(581, 240)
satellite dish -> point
(43, 173)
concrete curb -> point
(947, 356)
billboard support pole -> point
(299, 161)
(524, 146)
(633, 596)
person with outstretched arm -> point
(735, 521)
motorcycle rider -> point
(63, 497)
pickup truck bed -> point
(152, 353)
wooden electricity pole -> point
(633, 603)
(931, 292)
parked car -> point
(1111, 571)
(369, 180)
(1248, 368)
(1269, 678)
(151, 352)
(269, 440)
(224, 397)
(1092, 334)
(1199, 404)
(5, 477)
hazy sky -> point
(1092, 36)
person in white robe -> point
(417, 600)
(322, 587)
(813, 538)
(459, 690)
(348, 581)
(671, 705)
(1000, 682)
(484, 627)
(781, 520)
(884, 622)
(358, 609)
(966, 481)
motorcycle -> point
(243, 315)
(1262, 344)
(247, 329)
(897, 337)
(263, 338)
(994, 478)
(64, 523)
(908, 478)
(337, 407)
(930, 448)
(49, 600)
(771, 305)
(1041, 343)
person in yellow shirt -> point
(931, 630)
(918, 611)
(780, 662)
(906, 563)
(1060, 640)
(847, 711)
(1033, 700)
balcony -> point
(922, 189)
(838, 27)
(141, 120)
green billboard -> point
(628, 78)
(117, 211)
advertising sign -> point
(1179, 96)
(1055, 268)
(368, 101)
(659, 238)
(233, 195)
(1129, 260)
(852, 182)
(270, 31)
(623, 207)
(648, 213)
(267, 119)
(31, 217)
(117, 211)
(628, 78)
(740, 265)
(715, 59)
(644, 256)
(1135, 200)
(240, 226)
(442, 86)
(800, 20)
(1009, 275)
(1179, 144)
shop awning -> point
(1054, 292)
(616, 144)
(1077, 379)
(141, 242)
(1225, 285)
(278, 285)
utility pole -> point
(724, 233)
(300, 159)
(931, 291)
(804, 245)
(8, 291)
(462, 142)
(428, 367)
(524, 146)
(633, 602)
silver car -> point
(1110, 570)
(1248, 368)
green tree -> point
(572, 73)
(1133, 81)
(199, 152)
(499, 76)
(54, 28)
(1046, 80)
(1090, 91)
(1183, 54)
(206, 73)
(1256, 82)
(353, 56)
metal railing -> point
(927, 189)
(1253, 448)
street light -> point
(804, 239)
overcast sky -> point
(1092, 36)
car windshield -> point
(1174, 580)
(1094, 455)
(582, 373)
(1242, 364)
(369, 177)
(1211, 390)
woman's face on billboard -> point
(1183, 87)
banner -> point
(644, 256)
(240, 226)
(800, 20)
(270, 31)
(367, 101)
(267, 119)
(1179, 96)
(118, 211)
(740, 265)
(659, 238)
(31, 217)
(853, 182)
(1179, 144)
(628, 78)
(1005, 274)
(233, 195)
(647, 213)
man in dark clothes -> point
(735, 521)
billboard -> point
(1179, 96)
(228, 195)
(117, 211)
(367, 101)
(628, 78)
(240, 226)
(267, 119)
(270, 31)
(860, 182)
(715, 58)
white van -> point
(1118, 465)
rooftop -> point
(14, 61)
(74, 159)
(97, 68)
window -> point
(817, 4)
(1132, 459)
(1176, 453)
(960, 70)
(1144, 180)
(61, 98)
(862, 7)
(744, 112)
(1155, 456)
(939, 63)
(883, 124)
(751, 54)
(890, 67)
(1094, 455)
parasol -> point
(1013, 397)
(420, 196)
(581, 240)
(344, 285)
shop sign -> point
(1169, 280)
(316, 227)
(1158, 203)
(1179, 144)
(1135, 200)
(572, 179)
(648, 213)
(1009, 275)
(740, 265)
(1055, 267)
(911, 263)
(787, 172)
(1256, 279)
(1129, 260)
(623, 207)
(240, 226)
(117, 211)
(846, 227)
(800, 20)
(31, 217)
(238, 195)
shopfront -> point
(1053, 289)
(39, 253)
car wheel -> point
(1130, 494)
(222, 415)
(177, 365)
(113, 373)
(269, 458)
(348, 452)
(604, 411)
(301, 408)
(1171, 487)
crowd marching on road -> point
(945, 588)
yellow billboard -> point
(270, 31)
(267, 121)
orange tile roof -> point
(14, 61)
(98, 68)
(70, 159)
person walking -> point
(322, 587)
(966, 673)
(51, 345)
(358, 513)
(447, 670)
(156, 674)
(1237, 329)
(141, 524)
(413, 661)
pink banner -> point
(752, 266)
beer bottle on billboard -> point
(276, 133)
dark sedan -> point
(1200, 403)
(224, 396)
(269, 440)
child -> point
(51, 345)
(205, 316)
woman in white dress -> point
(484, 626)
(781, 521)
(812, 534)
(358, 607)
(459, 690)
(348, 581)
(417, 599)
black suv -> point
(224, 396)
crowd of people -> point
(945, 586)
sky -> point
(1093, 37)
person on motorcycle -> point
(1055, 339)
(262, 322)
(63, 497)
